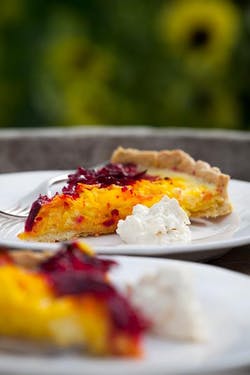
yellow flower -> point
(201, 32)
(74, 74)
(91, 102)
(69, 56)
(217, 107)
(86, 102)
(75, 82)
(209, 106)
(12, 11)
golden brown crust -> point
(179, 161)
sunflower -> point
(74, 74)
(201, 33)
(12, 11)
(216, 107)
(68, 54)
(201, 106)
(93, 102)
(86, 102)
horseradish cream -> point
(163, 223)
(167, 298)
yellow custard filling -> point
(96, 210)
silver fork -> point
(21, 208)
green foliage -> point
(143, 62)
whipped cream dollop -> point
(168, 300)
(163, 223)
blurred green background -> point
(131, 62)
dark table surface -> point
(237, 259)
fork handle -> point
(12, 216)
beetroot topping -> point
(123, 316)
(5, 258)
(109, 222)
(71, 258)
(78, 282)
(71, 272)
(35, 208)
(115, 212)
(119, 174)
(113, 220)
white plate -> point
(225, 300)
(209, 237)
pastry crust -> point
(179, 161)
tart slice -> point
(94, 201)
(66, 300)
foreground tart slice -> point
(93, 201)
(66, 300)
